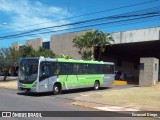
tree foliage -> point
(44, 52)
(8, 59)
(28, 51)
(86, 43)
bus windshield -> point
(28, 70)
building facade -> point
(130, 47)
(125, 52)
(62, 44)
(35, 43)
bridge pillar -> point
(149, 68)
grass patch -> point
(147, 98)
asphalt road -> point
(11, 101)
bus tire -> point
(96, 85)
(56, 89)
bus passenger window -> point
(107, 69)
(56, 68)
(56, 71)
(45, 70)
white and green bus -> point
(47, 74)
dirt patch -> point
(9, 84)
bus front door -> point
(44, 76)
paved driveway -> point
(11, 101)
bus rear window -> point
(108, 69)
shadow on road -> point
(82, 90)
(35, 94)
(62, 93)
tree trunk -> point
(92, 56)
(101, 50)
(99, 55)
(5, 76)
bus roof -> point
(71, 60)
(79, 61)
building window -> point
(46, 45)
(156, 67)
(141, 66)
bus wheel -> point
(96, 85)
(56, 89)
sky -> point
(19, 16)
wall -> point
(127, 67)
(15, 45)
(62, 44)
(35, 43)
(148, 71)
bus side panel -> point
(108, 79)
(81, 80)
(51, 81)
(44, 85)
(72, 81)
(89, 80)
(109, 75)
(62, 79)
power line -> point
(97, 25)
(63, 29)
(149, 11)
(105, 23)
(128, 23)
(88, 14)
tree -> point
(83, 44)
(28, 51)
(8, 58)
(44, 52)
(86, 43)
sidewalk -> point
(104, 106)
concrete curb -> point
(119, 82)
(106, 107)
(82, 106)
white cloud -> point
(24, 13)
